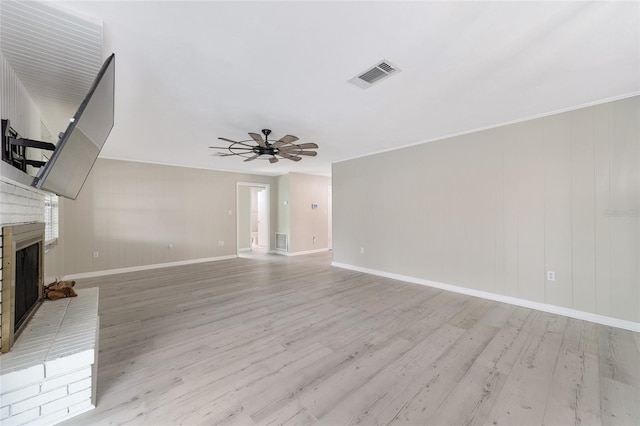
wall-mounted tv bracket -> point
(14, 148)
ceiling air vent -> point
(375, 74)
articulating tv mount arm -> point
(14, 148)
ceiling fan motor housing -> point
(265, 151)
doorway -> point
(253, 218)
(330, 218)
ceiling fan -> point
(263, 149)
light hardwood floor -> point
(292, 340)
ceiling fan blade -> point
(253, 157)
(226, 147)
(309, 145)
(235, 142)
(227, 140)
(288, 139)
(309, 153)
(289, 157)
(256, 137)
(285, 140)
(222, 154)
(273, 159)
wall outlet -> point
(361, 250)
(96, 254)
(220, 243)
(170, 245)
(230, 212)
(551, 276)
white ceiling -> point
(55, 54)
(189, 72)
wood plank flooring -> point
(291, 340)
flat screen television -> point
(78, 147)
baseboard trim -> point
(299, 253)
(554, 309)
(145, 267)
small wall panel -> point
(625, 204)
(557, 206)
(583, 210)
(530, 212)
(602, 204)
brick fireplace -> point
(20, 205)
(49, 374)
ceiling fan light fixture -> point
(261, 148)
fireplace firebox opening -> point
(22, 278)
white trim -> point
(161, 163)
(494, 126)
(245, 249)
(276, 173)
(256, 184)
(298, 253)
(559, 310)
(146, 267)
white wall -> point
(494, 210)
(136, 214)
(19, 203)
(15, 103)
(296, 218)
(282, 205)
(305, 222)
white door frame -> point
(267, 188)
